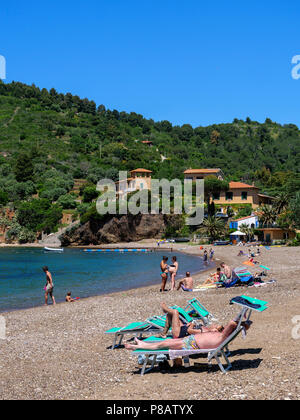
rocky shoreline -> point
(62, 353)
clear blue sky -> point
(183, 61)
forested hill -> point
(73, 137)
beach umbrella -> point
(238, 233)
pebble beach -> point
(62, 352)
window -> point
(229, 195)
(244, 195)
(216, 196)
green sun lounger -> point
(221, 351)
(195, 306)
(136, 329)
(153, 324)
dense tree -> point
(23, 168)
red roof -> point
(244, 218)
(233, 185)
(142, 170)
(202, 171)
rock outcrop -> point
(125, 228)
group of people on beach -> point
(222, 275)
(208, 256)
(187, 283)
(171, 270)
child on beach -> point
(69, 299)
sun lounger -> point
(136, 329)
(154, 325)
(200, 310)
(221, 350)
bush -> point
(67, 201)
(3, 198)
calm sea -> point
(83, 273)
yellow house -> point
(273, 234)
(195, 174)
(241, 193)
(140, 180)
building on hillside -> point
(273, 234)
(251, 221)
(140, 179)
(194, 174)
(240, 193)
(148, 143)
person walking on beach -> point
(211, 254)
(49, 286)
(173, 271)
(164, 273)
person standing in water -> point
(49, 286)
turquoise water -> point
(83, 273)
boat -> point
(53, 249)
(177, 240)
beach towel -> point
(249, 263)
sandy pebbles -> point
(61, 352)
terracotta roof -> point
(128, 179)
(266, 196)
(244, 218)
(142, 170)
(202, 171)
(233, 185)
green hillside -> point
(49, 139)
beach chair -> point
(248, 304)
(153, 324)
(137, 329)
(195, 306)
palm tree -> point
(248, 230)
(268, 215)
(281, 202)
(213, 227)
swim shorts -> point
(189, 343)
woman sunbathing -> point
(214, 278)
(205, 340)
(179, 329)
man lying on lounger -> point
(207, 339)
